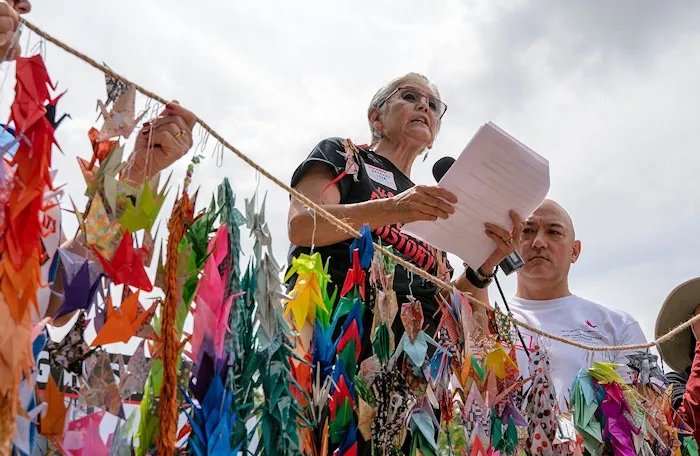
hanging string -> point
(344, 227)
(6, 70)
(510, 314)
(39, 48)
(313, 233)
(218, 152)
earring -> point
(425, 157)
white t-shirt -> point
(580, 320)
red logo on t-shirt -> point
(419, 252)
(591, 324)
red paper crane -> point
(351, 334)
(338, 397)
(32, 90)
(355, 276)
(127, 265)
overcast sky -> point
(606, 91)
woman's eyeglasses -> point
(414, 96)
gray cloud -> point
(591, 38)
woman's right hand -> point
(160, 143)
(423, 202)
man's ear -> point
(575, 251)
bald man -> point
(549, 247)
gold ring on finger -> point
(179, 133)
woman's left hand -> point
(161, 142)
(506, 242)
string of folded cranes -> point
(339, 223)
(312, 387)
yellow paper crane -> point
(99, 230)
(605, 373)
(306, 298)
(497, 360)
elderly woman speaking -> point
(372, 185)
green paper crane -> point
(242, 340)
(103, 179)
(144, 214)
(233, 219)
(280, 412)
(246, 363)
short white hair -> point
(383, 94)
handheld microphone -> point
(441, 167)
(512, 262)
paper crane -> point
(81, 281)
(33, 84)
(100, 388)
(355, 276)
(115, 89)
(212, 312)
(127, 265)
(83, 436)
(212, 421)
(122, 323)
(306, 296)
(53, 420)
(120, 121)
(100, 232)
(100, 149)
(70, 352)
(134, 377)
(146, 211)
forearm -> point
(304, 228)
(690, 408)
(464, 285)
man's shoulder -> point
(601, 309)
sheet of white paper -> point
(494, 174)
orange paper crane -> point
(100, 149)
(15, 352)
(121, 324)
(53, 419)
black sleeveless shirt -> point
(371, 176)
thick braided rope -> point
(342, 226)
(169, 350)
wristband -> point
(477, 279)
(483, 276)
